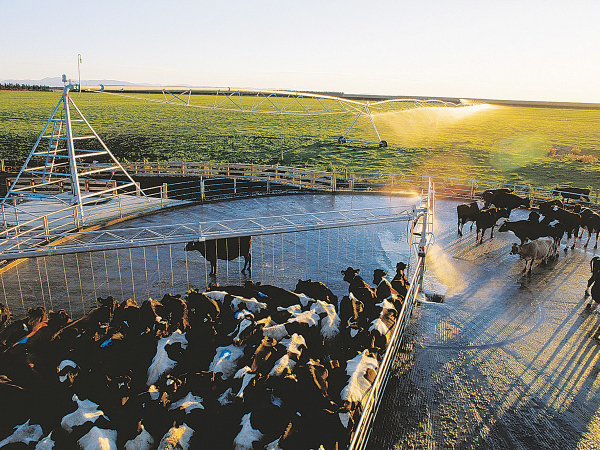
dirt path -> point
(507, 361)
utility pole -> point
(78, 70)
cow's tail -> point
(593, 263)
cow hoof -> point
(588, 306)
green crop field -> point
(538, 146)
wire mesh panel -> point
(74, 281)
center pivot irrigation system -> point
(281, 102)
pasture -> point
(537, 146)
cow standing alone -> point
(227, 249)
(541, 248)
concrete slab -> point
(507, 361)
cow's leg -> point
(459, 227)
(247, 263)
(596, 244)
(588, 240)
(589, 284)
(482, 233)
(492, 233)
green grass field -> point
(537, 146)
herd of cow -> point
(253, 366)
(541, 233)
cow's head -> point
(504, 226)
(378, 274)
(246, 327)
(67, 371)
(192, 245)
(350, 273)
(515, 249)
(110, 302)
(503, 212)
(60, 318)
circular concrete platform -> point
(506, 362)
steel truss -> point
(73, 242)
(285, 102)
(68, 152)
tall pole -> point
(75, 190)
(78, 70)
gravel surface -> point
(507, 361)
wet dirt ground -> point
(507, 361)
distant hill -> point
(56, 82)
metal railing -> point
(372, 400)
(21, 231)
(423, 229)
(217, 181)
(136, 237)
(310, 179)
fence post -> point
(120, 209)
(46, 230)
(164, 191)
(333, 183)
(75, 216)
(1, 165)
(137, 189)
(234, 186)
(268, 184)
(202, 189)
(4, 217)
(16, 215)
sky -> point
(510, 50)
